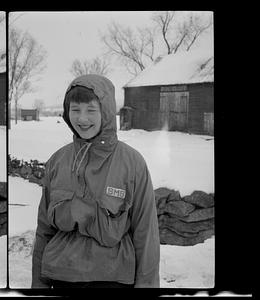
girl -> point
(97, 219)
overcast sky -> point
(70, 35)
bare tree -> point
(13, 17)
(26, 61)
(197, 25)
(95, 66)
(181, 34)
(164, 20)
(172, 31)
(133, 48)
(137, 49)
(39, 104)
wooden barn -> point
(29, 114)
(3, 98)
(176, 93)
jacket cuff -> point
(150, 280)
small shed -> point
(126, 118)
(29, 115)
(175, 93)
(3, 98)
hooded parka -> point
(97, 218)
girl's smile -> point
(85, 118)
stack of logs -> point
(3, 208)
(184, 221)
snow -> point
(176, 160)
(3, 262)
(38, 139)
(177, 68)
(191, 266)
(24, 198)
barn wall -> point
(146, 104)
(201, 99)
(144, 101)
(2, 98)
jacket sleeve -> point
(145, 232)
(44, 233)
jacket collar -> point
(98, 143)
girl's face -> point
(85, 118)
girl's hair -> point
(80, 94)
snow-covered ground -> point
(24, 198)
(176, 160)
(3, 261)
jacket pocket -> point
(112, 219)
(114, 207)
(59, 210)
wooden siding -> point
(209, 123)
(144, 101)
(201, 100)
(174, 110)
(2, 98)
(147, 107)
(29, 114)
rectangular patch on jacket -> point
(111, 191)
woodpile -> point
(184, 221)
(3, 208)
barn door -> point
(174, 110)
(164, 110)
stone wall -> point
(3, 208)
(33, 170)
(184, 221)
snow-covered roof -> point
(186, 67)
